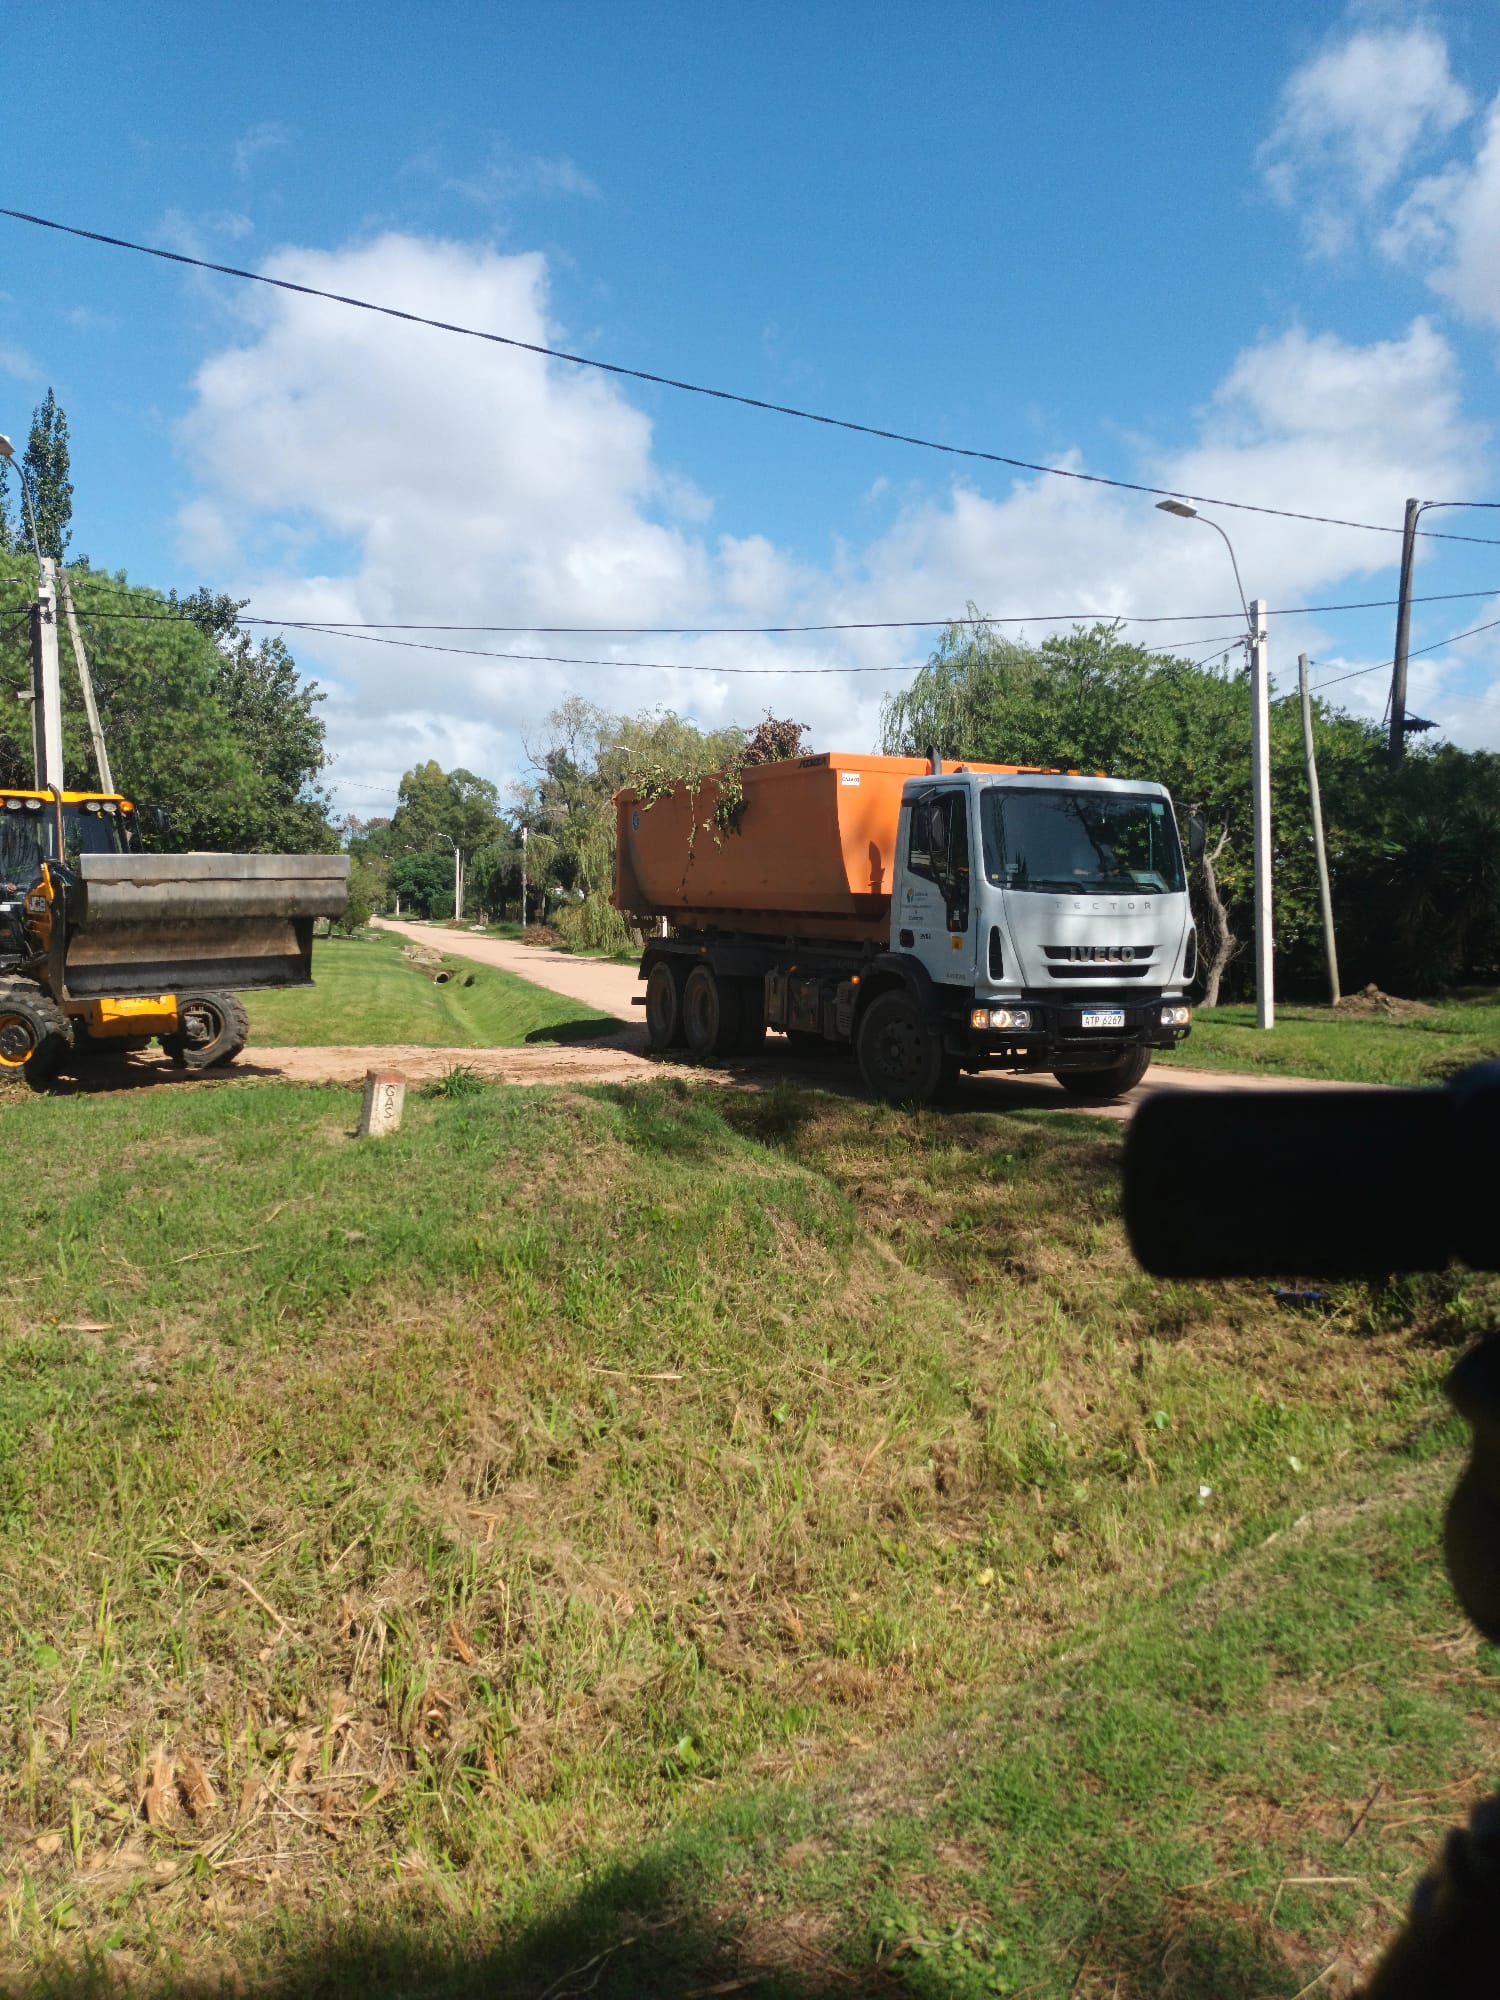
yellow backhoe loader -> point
(104, 946)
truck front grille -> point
(1083, 961)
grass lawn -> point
(367, 992)
(631, 1540)
(1352, 1048)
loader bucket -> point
(141, 924)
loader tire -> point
(36, 1036)
(215, 1027)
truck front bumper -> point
(1055, 1037)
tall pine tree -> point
(47, 469)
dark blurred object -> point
(1360, 1184)
(1316, 1183)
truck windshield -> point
(1078, 842)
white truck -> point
(935, 916)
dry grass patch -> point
(418, 1519)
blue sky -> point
(1247, 251)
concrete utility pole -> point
(1403, 635)
(1325, 900)
(458, 882)
(523, 875)
(1260, 766)
(1260, 788)
(101, 755)
(46, 680)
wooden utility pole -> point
(1403, 635)
(101, 755)
(1325, 900)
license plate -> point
(1104, 1017)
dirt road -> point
(594, 982)
(619, 1055)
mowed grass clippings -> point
(367, 992)
(390, 1527)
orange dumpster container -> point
(810, 854)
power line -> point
(1384, 666)
(718, 395)
(353, 627)
(567, 660)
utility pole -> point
(46, 681)
(458, 882)
(1260, 787)
(101, 755)
(1330, 943)
(523, 875)
(1403, 635)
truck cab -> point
(1044, 917)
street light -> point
(1260, 769)
(8, 453)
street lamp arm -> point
(1249, 621)
(8, 459)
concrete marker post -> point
(384, 1101)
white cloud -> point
(1352, 117)
(267, 137)
(509, 175)
(1451, 220)
(16, 362)
(351, 468)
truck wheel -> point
(752, 1036)
(900, 1058)
(664, 1005)
(1111, 1081)
(35, 1035)
(710, 1014)
(215, 1027)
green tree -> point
(224, 737)
(47, 468)
(423, 884)
(438, 810)
(586, 755)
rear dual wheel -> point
(722, 1015)
(664, 1023)
(214, 1027)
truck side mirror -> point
(163, 820)
(1197, 837)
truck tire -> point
(752, 1035)
(215, 1027)
(711, 1014)
(664, 1029)
(35, 1033)
(1113, 1080)
(900, 1055)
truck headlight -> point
(1000, 1017)
(1176, 1017)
